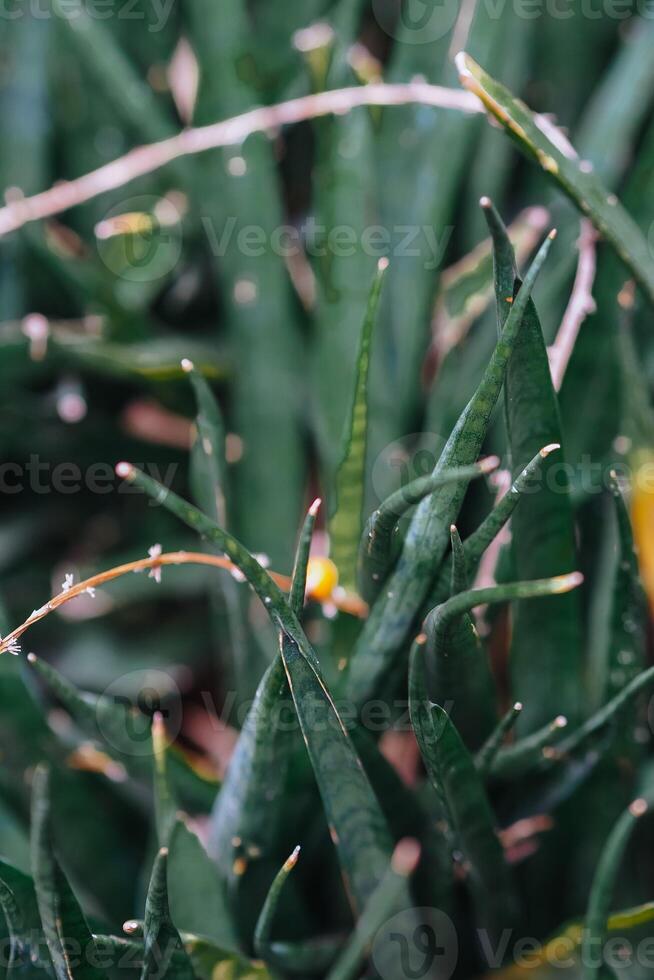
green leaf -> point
(62, 919)
(248, 823)
(208, 480)
(252, 807)
(208, 476)
(299, 580)
(358, 828)
(212, 963)
(452, 772)
(581, 185)
(458, 671)
(158, 359)
(514, 762)
(21, 911)
(376, 551)
(459, 569)
(165, 806)
(620, 654)
(487, 753)
(130, 95)
(268, 591)
(597, 913)
(381, 905)
(352, 810)
(163, 953)
(195, 892)
(409, 814)
(605, 716)
(124, 733)
(476, 543)
(14, 920)
(265, 922)
(349, 490)
(466, 288)
(344, 195)
(420, 200)
(393, 615)
(267, 397)
(546, 650)
(621, 101)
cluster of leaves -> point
(528, 745)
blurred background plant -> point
(255, 261)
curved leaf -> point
(62, 919)
(163, 953)
(395, 612)
(546, 650)
(599, 903)
(458, 671)
(349, 491)
(452, 772)
(579, 183)
(376, 549)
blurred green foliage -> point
(315, 375)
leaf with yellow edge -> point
(346, 523)
(545, 143)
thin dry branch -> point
(346, 602)
(581, 304)
(146, 159)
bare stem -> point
(146, 159)
(581, 304)
(346, 602)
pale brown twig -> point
(146, 159)
(346, 602)
(581, 304)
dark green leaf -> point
(580, 184)
(452, 772)
(345, 525)
(546, 653)
(393, 615)
(163, 953)
(67, 934)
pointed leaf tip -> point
(292, 859)
(566, 583)
(406, 856)
(639, 807)
(550, 448)
(315, 506)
